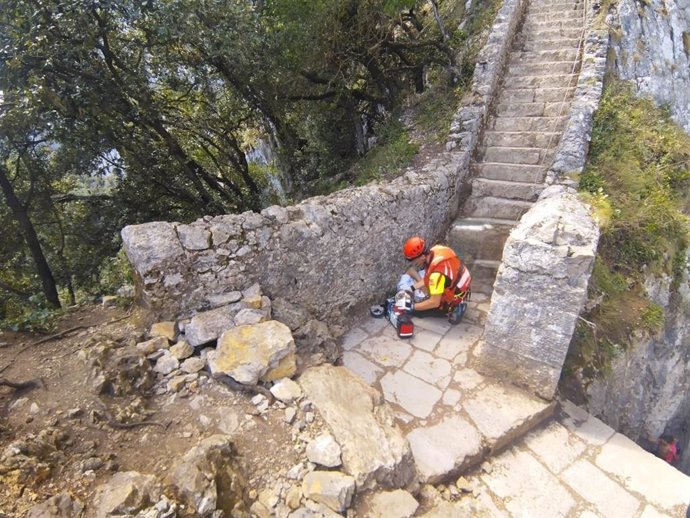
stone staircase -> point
(521, 135)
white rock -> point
(331, 488)
(286, 390)
(325, 451)
(290, 413)
(166, 364)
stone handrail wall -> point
(541, 285)
(327, 254)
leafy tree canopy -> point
(118, 112)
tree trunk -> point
(19, 211)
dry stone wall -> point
(327, 254)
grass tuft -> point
(637, 180)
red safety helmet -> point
(414, 247)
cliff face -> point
(647, 392)
(650, 46)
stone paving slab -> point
(455, 420)
(451, 415)
(445, 448)
(622, 458)
(610, 499)
(527, 488)
(576, 466)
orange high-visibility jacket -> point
(444, 261)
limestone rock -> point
(58, 506)
(312, 335)
(330, 488)
(194, 237)
(118, 371)
(391, 504)
(253, 291)
(109, 301)
(166, 364)
(374, 450)
(165, 329)
(250, 316)
(33, 458)
(444, 448)
(153, 345)
(176, 383)
(223, 299)
(152, 246)
(126, 493)
(209, 325)
(647, 391)
(650, 51)
(539, 292)
(323, 450)
(289, 314)
(205, 479)
(192, 365)
(182, 350)
(286, 390)
(249, 353)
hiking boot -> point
(455, 316)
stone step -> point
(543, 68)
(522, 139)
(505, 189)
(538, 33)
(540, 56)
(556, 15)
(532, 24)
(479, 238)
(530, 109)
(511, 94)
(558, 80)
(546, 44)
(500, 208)
(509, 172)
(553, 9)
(515, 155)
(553, 124)
(551, 3)
(484, 274)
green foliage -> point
(637, 179)
(37, 319)
(435, 109)
(652, 318)
(114, 273)
(393, 153)
(115, 113)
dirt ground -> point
(79, 446)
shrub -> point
(637, 180)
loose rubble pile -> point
(279, 430)
(242, 415)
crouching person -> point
(439, 273)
